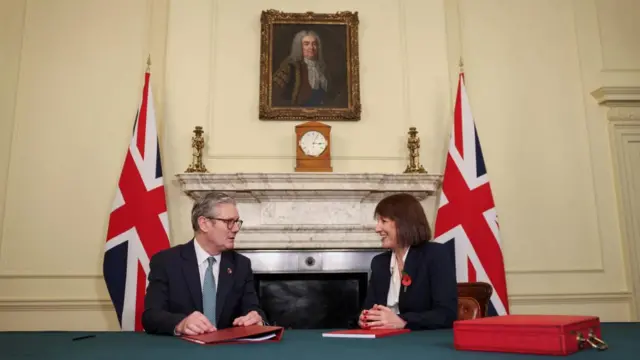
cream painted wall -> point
(78, 88)
(74, 81)
(11, 24)
(545, 143)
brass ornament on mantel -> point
(413, 144)
(197, 144)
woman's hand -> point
(362, 320)
(380, 317)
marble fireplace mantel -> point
(310, 210)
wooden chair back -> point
(473, 300)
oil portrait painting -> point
(309, 66)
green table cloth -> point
(623, 340)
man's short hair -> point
(206, 206)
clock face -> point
(313, 143)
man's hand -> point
(252, 318)
(194, 324)
(381, 317)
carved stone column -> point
(624, 133)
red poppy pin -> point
(229, 271)
(406, 280)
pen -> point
(83, 337)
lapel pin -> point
(229, 271)
(406, 280)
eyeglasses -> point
(230, 222)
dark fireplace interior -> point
(311, 288)
(312, 300)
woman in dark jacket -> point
(413, 284)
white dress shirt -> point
(395, 283)
(202, 257)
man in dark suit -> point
(203, 285)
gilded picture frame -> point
(309, 66)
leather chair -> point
(473, 300)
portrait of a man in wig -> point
(303, 78)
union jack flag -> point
(467, 219)
(138, 223)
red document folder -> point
(240, 334)
(529, 334)
(365, 333)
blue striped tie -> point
(209, 293)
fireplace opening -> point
(312, 301)
(311, 289)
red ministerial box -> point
(529, 334)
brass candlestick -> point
(197, 143)
(413, 144)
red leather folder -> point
(239, 334)
(364, 333)
(529, 334)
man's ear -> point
(202, 224)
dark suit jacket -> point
(174, 289)
(431, 301)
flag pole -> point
(467, 219)
(127, 251)
(461, 71)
